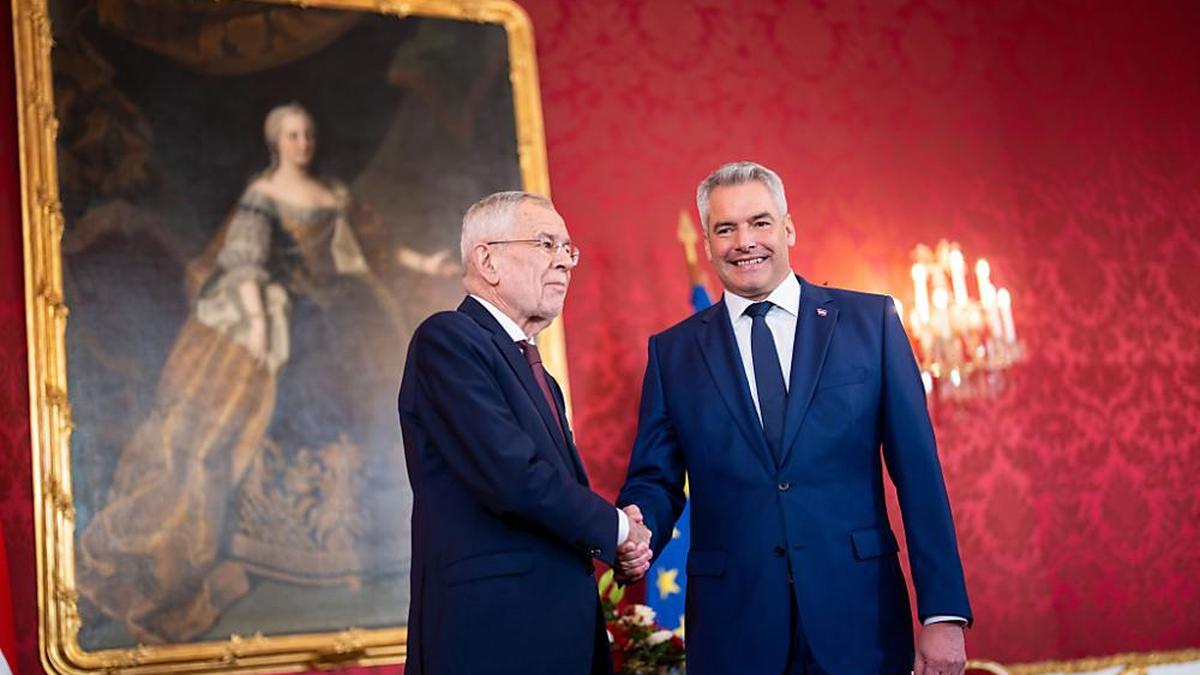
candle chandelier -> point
(963, 344)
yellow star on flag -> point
(666, 582)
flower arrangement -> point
(640, 646)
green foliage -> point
(640, 646)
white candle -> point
(920, 293)
(1004, 301)
(958, 277)
(987, 292)
(941, 312)
(987, 298)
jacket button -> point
(779, 551)
(784, 486)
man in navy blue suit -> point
(776, 402)
(504, 525)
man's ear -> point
(790, 229)
(481, 255)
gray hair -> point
(492, 217)
(273, 127)
(740, 173)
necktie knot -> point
(758, 309)
(532, 355)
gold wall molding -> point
(46, 321)
(1134, 662)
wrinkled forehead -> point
(534, 220)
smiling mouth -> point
(749, 262)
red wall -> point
(16, 490)
(1059, 139)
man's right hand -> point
(633, 556)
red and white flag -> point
(8, 639)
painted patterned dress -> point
(247, 467)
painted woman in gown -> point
(258, 455)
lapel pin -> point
(821, 311)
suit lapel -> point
(814, 328)
(719, 348)
(520, 367)
(575, 460)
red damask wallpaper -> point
(1058, 138)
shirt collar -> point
(786, 296)
(514, 331)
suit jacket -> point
(504, 526)
(820, 516)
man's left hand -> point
(940, 650)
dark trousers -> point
(601, 656)
(800, 657)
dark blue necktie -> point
(768, 378)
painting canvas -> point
(259, 203)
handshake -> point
(633, 556)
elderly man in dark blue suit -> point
(783, 403)
(504, 525)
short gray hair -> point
(492, 217)
(740, 173)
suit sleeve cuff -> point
(622, 527)
(945, 618)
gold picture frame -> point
(47, 315)
(1134, 663)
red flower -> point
(620, 635)
(618, 658)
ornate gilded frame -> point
(1131, 664)
(50, 410)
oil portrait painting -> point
(259, 203)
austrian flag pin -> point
(821, 311)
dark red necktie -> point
(539, 373)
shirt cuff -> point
(622, 527)
(944, 618)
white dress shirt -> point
(514, 331)
(781, 319)
(782, 322)
(506, 322)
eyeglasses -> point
(546, 245)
